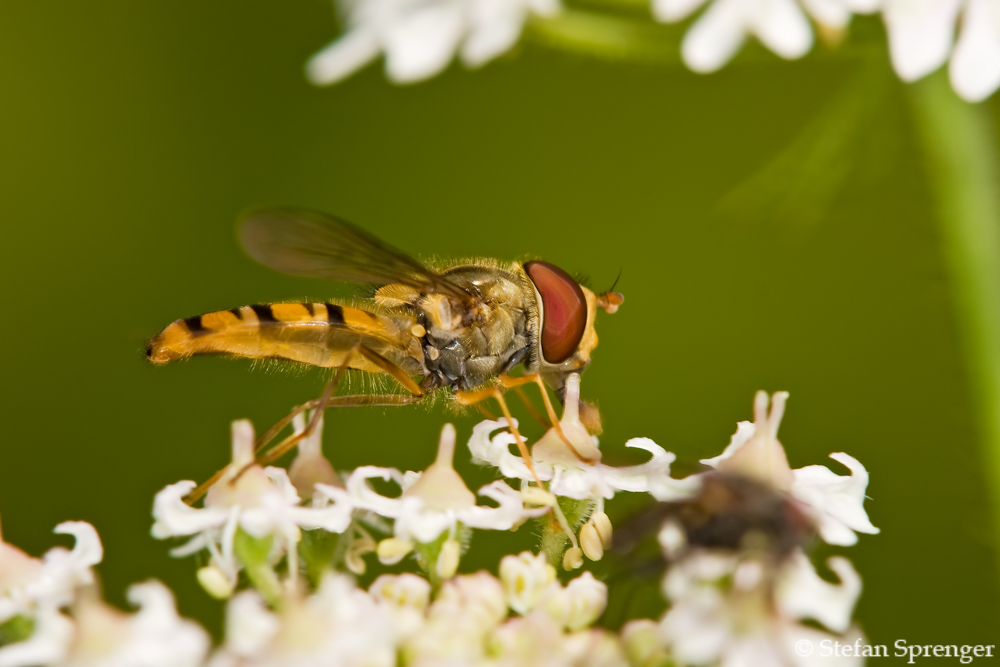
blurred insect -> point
(462, 328)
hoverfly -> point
(463, 327)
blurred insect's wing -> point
(301, 242)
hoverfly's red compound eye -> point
(564, 310)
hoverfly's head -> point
(566, 314)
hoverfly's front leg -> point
(473, 397)
(534, 378)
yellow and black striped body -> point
(317, 334)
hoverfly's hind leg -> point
(535, 378)
(327, 400)
(319, 406)
(474, 397)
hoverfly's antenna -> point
(617, 278)
(610, 300)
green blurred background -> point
(135, 132)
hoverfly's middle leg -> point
(474, 397)
(534, 378)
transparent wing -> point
(301, 242)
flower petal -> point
(495, 451)
(175, 518)
(365, 497)
(744, 431)
(920, 34)
(421, 43)
(782, 27)
(835, 502)
(715, 37)
(802, 593)
(510, 512)
(343, 57)
(975, 64)
(495, 28)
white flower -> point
(525, 579)
(466, 610)
(261, 501)
(780, 25)
(98, 634)
(723, 611)
(556, 463)
(27, 583)
(338, 625)
(536, 640)
(407, 595)
(834, 502)
(922, 32)
(433, 502)
(155, 636)
(577, 605)
(420, 37)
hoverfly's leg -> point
(483, 411)
(535, 378)
(531, 408)
(473, 397)
(323, 402)
(284, 446)
(288, 443)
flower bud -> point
(573, 558)
(477, 598)
(524, 578)
(590, 542)
(671, 538)
(393, 549)
(642, 642)
(603, 526)
(533, 495)
(215, 582)
(447, 562)
(587, 598)
(402, 590)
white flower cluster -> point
(421, 37)
(738, 582)
(467, 622)
(51, 613)
(921, 33)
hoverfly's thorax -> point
(469, 343)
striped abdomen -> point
(318, 334)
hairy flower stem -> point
(962, 165)
(254, 554)
(554, 540)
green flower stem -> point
(962, 164)
(255, 554)
(606, 35)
